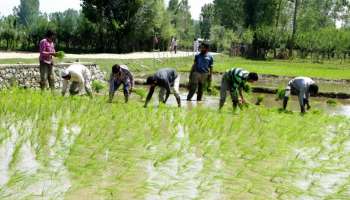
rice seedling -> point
(259, 100)
(83, 148)
(60, 55)
(331, 102)
(280, 93)
(98, 86)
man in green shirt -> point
(234, 81)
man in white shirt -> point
(79, 77)
(304, 87)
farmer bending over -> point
(304, 87)
(120, 75)
(168, 81)
(201, 72)
(79, 77)
(234, 81)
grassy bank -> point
(328, 69)
(70, 148)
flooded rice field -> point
(76, 148)
(342, 86)
(340, 107)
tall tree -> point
(294, 30)
(112, 17)
(28, 11)
(181, 19)
(206, 20)
(230, 13)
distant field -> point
(329, 69)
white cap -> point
(64, 73)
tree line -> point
(252, 28)
(282, 28)
(100, 26)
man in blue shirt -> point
(201, 72)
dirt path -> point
(136, 55)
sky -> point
(49, 6)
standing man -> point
(79, 77)
(47, 51)
(175, 45)
(201, 72)
(169, 81)
(304, 87)
(234, 81)
(195, 46)
(120, 75)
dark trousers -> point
(198, 81)
(46, 75)
(115, 87)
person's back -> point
(78, 72)
(234, 81)
(238, 76)
(304, 87)
(166, 74)
(300, 83)
(168, 80)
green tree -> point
(181, 19)
(28, 12)
(230, 13)
(112, 18)
(206, 20)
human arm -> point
(111, 88)
(131, 77)
(64, 86)
(168, 91)
(149, 96)
(301, 97)
(240, 90)
(306, 100)
(44, 51)
(87, 82)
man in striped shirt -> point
(120, 75)
(234, 81)
(304, 87)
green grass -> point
(87, 149)
(329, 69)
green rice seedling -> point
(60, 55)
(98, 86)
(141, 92)
(331, 102)
(259, 100)
(128, 152)
(247, 88)
(281, 92)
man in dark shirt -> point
(168, 81)
(201, 72)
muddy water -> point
(22, 168)
(318, 103)
(278, 82)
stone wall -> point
(28, 76)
